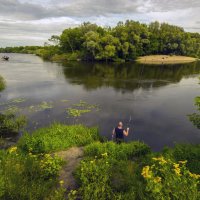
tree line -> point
(126, 41)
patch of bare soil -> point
(72, 156)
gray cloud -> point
(169, 5)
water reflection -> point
(126, 77)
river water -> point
(153, 101)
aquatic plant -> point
(2, 83)
(64, 100)
(40, 107)
(14, 101)
(76, 112)
(81, 108)
(11, 124)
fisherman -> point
(119, 132)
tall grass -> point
(57, 137)
(2, 83)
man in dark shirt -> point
(119, 133)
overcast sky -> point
(25, 22)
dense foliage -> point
(57, 137)
(131, 171)
(125, 41)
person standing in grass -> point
(119, 132)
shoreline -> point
(165, 59)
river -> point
(153, 101)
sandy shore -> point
(165, 59)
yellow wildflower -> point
(176, 166)
(104, 154)
(183, 162)
(157, 179)
(177, 171)
(61, 182)
(146, 172)
(12, 149)
(160, 159)
(196, 176)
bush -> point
(22, 177)
(189, 152)
(95, 179)
(50, 166)
(59, 58)
(168, 180)
(10, 123)
(57, 137)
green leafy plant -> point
(168, 180)
(57, 137)
(10, 123)
(50, 166)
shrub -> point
(94, 175)
(168, 180)
(21, 175)
(189, 152)
(57, 137)
(50, 166)
(10, 123)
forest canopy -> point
(126, 41)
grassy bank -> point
(108, 171)
(2, 83)
(29, 170)
(165, 59)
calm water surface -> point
(153, 101)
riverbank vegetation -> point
(29, 170)
(2, 83)
(195, 117)
(124, 42)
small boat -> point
(5, 58)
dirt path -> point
(72, 156)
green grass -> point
(124, 151)
(22, 177)
(2, 83)
(58, 137)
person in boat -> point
(5, 57)
(119, 132)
